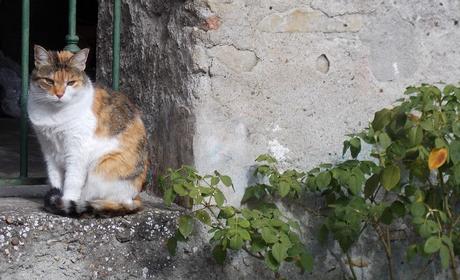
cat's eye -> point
(48, 81)
(71, 83)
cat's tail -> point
(106, 208)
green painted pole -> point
(72, 38)
(25, 88)
(116, 44)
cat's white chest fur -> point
(66, 133)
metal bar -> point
(23, 162)
(72, 38)
(116, 44)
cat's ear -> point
(42, 57)
(78, 60)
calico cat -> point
(93, 141)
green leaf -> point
(410, 90)
(447, 241)
(456, 128)
(354, 184)
(323, 179)
(440, 143)
(171, 244)
(346, 146)
(203, 216)
(279, 252)
(398, 209)
(244, 234)
(284, 188)
(427, 124)
(226, 180)
(271, 262)
(448, 89)
(219, 197)
(428, 228)
(236, 242)
(355, 146)
(219, 254)
(387, 216)
(418, 220)
(266, 158)
(371, 185)
(390, 177)
(269, 235)
(456, 170)
(384, 140)
(415, 135)
(432, 245)
(243, 223)
(180, 189)
(454, 151)
(257, 245)
(381, 119)
(444, 254)
(325, 165)
(417, 209)
(185, 225)
(226, 212)
(306, 261)
(214, 181)
(169, 196)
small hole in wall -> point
(455, 22)
(322, 64)
(270, 8)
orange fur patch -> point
(111, 208)
(130, 161)
(103, 117)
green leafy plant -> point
(262, 232)
(416, 175)
(409, 174)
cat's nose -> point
(60, 94)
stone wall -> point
(222, 81)
(156, 72)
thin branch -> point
(350, 264)
(259, 256)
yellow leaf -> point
(437, 158)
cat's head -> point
(59, 76)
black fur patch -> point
(53, 202)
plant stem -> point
(350, 264)
(388, 254)
(385, 239)
(260, 257)
(453, 267)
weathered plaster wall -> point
(222, 81)
(294, 77)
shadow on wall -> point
(156, 66)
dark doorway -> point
(48, 28)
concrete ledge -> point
(38, 245)
(35, 244)
(24, 191)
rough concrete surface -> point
(38, 245)
(222, 81)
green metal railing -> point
(71, 45)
